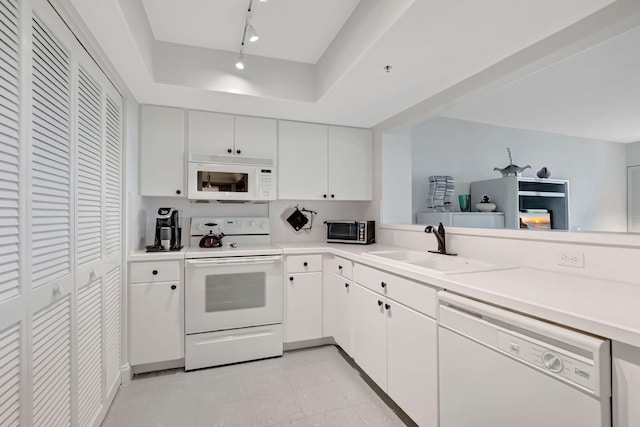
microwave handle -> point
(342, 222)
(234, 261)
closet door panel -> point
(51, 159)
(51, 366)
(90, 388)
(112, 326)
(9, 151)
(113, 175)
(10, 371)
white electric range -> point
(233, 293)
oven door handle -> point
(234, 261)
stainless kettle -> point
(211, 240)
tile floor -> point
(312, 387)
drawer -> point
(415, 295)
(154, 271)
(304, 263)
(343, 267)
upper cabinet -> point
(318, 162)
(162, 159)
(224, 134)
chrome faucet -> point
(440, 237)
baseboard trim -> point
(308, 343)
(159, 366)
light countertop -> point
(597, 306)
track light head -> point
(252, 35)
(240, 62)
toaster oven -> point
(359, 232)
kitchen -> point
(102, 104)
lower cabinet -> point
(156, 313)
(397, 347)
(303, 316)
(338, 311)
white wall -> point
(396, 178)
(633, 154)
(469, 151)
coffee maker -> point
(168, 229)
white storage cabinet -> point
(320, 162)
(224, 134)
(395, 339)
(337, 303)
(303, 294)
(162, 151)
(156, 326)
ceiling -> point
(318, 60)
(593, 94)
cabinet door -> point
(255, 137)
(303, 320)
(412, 363)
(210, 133)
(162, 157)
(350, 163)
(157, 328)
(370, 334)
(338, 310)
(302, 161)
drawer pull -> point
(173, 286)
(306, 264)
(387, 306)
(383, 284)
(291, 278)
(379, 303)
(346, 285)
(154, 272)
(339, 267)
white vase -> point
(486, 207)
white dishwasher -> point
(502, 369)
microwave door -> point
(221, 182)
(345, 231)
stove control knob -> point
(552, 362)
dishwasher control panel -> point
(572, 368)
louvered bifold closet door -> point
(51, 368)
(50, 169)
(88, 173)
(9, 150)
(90, 379)
(112, 327)
(10, 376)
(113, 165)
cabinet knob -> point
(154, 272)
(387, 306)
(173, 286)
(339, 267)
(229, 150)
(383, 284)
(324, 195)
(238, 151)
(333, 196)
(346, 285)
(291, 279)
(379, 303)
(306, 264)
(178, 191)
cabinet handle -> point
(173, 286)
(333, 196)
(324, 195)
(154, 272)
(383, 284)
(305, 264)
(379, 303)
(346, 285)
(229, 150)
(291, 279)
(238, 151)
(387, 306)
(178, 191)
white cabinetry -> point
(318, 162)
(395, 343)
(156, 307)
(224, 134)
(337, 303)
(303, 293)
(626, 385)
(162, 156)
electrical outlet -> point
(571, 259)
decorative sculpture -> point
(511, 169)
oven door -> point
(234, 292)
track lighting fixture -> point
(252, 35)
(240, 62)
(249, 34)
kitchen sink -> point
(442, 264)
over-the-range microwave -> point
(231, 178)
(359, 232)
